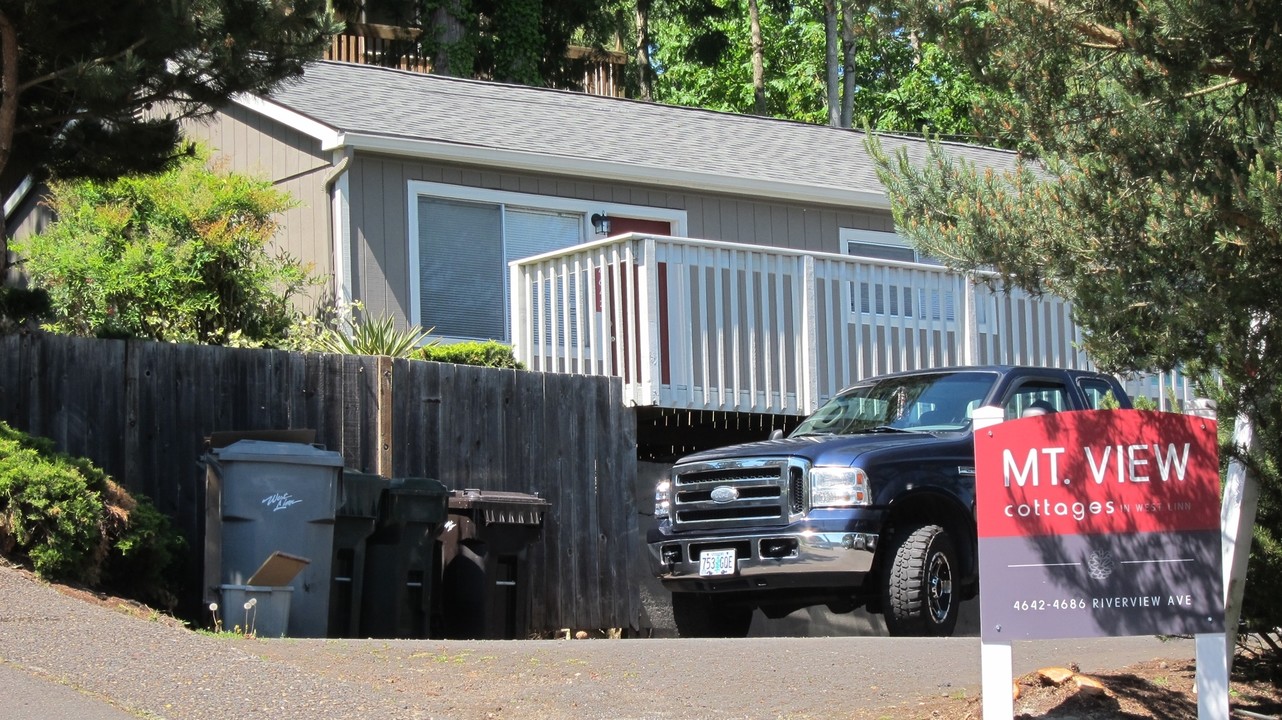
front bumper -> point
(787, 558)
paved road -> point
(64, 658)
(28, 696)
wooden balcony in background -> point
(399, 47)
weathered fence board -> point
(142, 412)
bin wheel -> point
(463, 591)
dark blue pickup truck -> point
(870, 502)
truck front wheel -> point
(705, 615)
(919, 597)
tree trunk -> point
(645, 84)
(849, 46)
(830, 62)
(758, 59)
(449, 42)
(8, 91)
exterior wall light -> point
(601, 223)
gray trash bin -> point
(278, 496)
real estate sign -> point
(1099, 523)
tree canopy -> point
(900, 80)
(1149, 192)
(77, 75)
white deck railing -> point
(697, 324)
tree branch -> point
(1106, 38)
(1110, 38)
(76, 68)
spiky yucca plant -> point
(376, 336)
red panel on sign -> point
(1097, 472)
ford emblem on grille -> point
(724, 494)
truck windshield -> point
(929, 402)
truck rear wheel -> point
(919, 597)
(705, 615)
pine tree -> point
(1148, 190)
(77, 75)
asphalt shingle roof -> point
(391, 103)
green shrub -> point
(484, 354)
(71, 522)
(181, 256)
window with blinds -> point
(464, 249)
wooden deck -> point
(399, 47)
(704, 325)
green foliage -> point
(71, 522)
(517, 41)
(181, 256)
(904, 81)
(706, 62)
(374, 336)
(484, 354)
(1144, 402)
(1146, 191)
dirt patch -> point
(1154, 690)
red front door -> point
(621, 226)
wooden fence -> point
(142, 411)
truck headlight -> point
(838, 487)
(662, 499)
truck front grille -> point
(739, 493)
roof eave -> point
(607, 170)
(326, 135)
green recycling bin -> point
(401, 560)
(355, 521)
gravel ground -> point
(154, 668)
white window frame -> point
(883, 238)
(417, 188)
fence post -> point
(970, 321)
(647, 392)
(384, 408)
(808, 365)
(518, 322)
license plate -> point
(716, 562)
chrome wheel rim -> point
(939, 591)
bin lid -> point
(278, 569)
(415, 499)
(498, 506)
(361, 493)
(280, 452)
(419, 486)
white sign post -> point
(997, 661)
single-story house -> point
(765, 271)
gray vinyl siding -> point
(29, 218)
(379, 212)
(253, 145)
